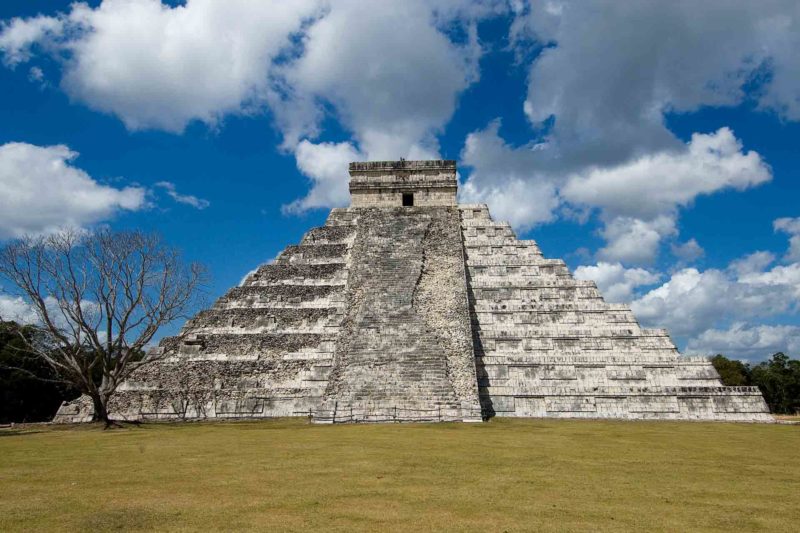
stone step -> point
(698, 403)
(522, 359)
(334, 234)
(261, 345)
(571, 347)
(565, 332)
(316, 251)
(487, 232)
(552, 319)
(341, 215)
(536, 380)
(311, 260)
(582, 306)
(534, 282)
(528, 265)
(513, 268)
(283, 295)
(639, 390)
(492, 244)
(265, 318)
(544, 296)
(298, 274)
(473, 210)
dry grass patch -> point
(509, 475)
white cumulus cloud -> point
(614, 68)
(14, 308)
(390, 74)
(43, 191)
(752, 263)
(158, 66)
(18, 35)
(658, 183)
(635, 241)
(327, 166)
(692, 301)
(639, 199)
(188, 199)
(600, 91)
(747, 342)
(617, 283)
(792, 227)
(507, 179)
(688, 251)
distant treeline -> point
(778, 378)
(29, 390)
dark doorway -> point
(408, 199)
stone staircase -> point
(405, 350)
(547, 345)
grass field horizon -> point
(504, 475)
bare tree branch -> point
(100, 298)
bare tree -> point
(100, 297)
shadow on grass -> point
(126, 519)
(14, 432)
(47, 427)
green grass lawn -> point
(504, 475)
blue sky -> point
(652, 145)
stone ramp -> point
(548, 345)
(405, 349)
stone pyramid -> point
(409, 307)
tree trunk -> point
(100, 409)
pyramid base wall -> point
(161, 405)
(732, 404)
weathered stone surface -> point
(406, 338)
(547, 345)
(431, 312)
(382, 183)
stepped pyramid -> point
(407, 306)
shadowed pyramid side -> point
(263, 349)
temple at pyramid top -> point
(403, 183)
